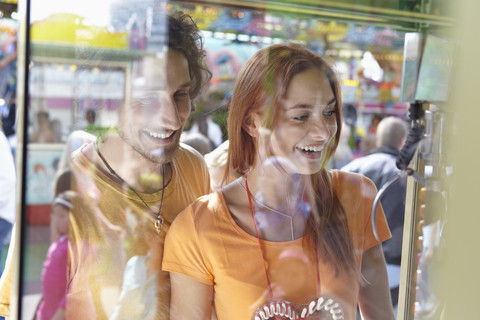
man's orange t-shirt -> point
(206, 244)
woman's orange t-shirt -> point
(206, 244)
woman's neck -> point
(280, 210)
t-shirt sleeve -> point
(183, 250)
(199, 174)
(369, 191)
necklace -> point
(290, 218)
(158, 217)
(279, 309)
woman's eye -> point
(329, 113)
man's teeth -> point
(160, 135)
(312, 149)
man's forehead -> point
(163, 72)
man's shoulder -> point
(191, 165)
(186, 153)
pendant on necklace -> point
(158, 224)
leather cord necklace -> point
(158, 216)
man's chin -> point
(162, 155)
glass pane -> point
(114, 115)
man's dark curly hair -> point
(184, 36)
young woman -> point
(288, 239)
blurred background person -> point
(7, 191)
(380, 166)
(197, 140)
(68, 210)
(209, 128)
(344, 153)
(217, 165)
(44, 133)
(8, 90)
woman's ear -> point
(251, 124)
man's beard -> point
(160, 155)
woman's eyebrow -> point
(307, 106)
(331, 101)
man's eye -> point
(147, 99)
(302, 117)
(182, 94)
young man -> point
(136, 180)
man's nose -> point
(165, 110)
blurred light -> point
(354, 83)
(96, 70)
(219, 35)
(73, 67)
(267, 40)
(371, 68)
(345, 53)
(357, 53)
(2, 102)
(331, 52)
(230, 36)
(207, 34)
(243, 37)
(15, 15)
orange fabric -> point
(102, 275)
(205, 243)
(99, 255)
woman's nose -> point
(319, 129)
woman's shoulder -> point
(203, 210)
(353, 178)
(351, 182)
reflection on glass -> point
(111, 105)
(435, 198)
(288, 239)
(105, 88)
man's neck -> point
(140, 173)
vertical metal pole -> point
(21, 158)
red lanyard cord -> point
(262, 252)
(258, 237)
